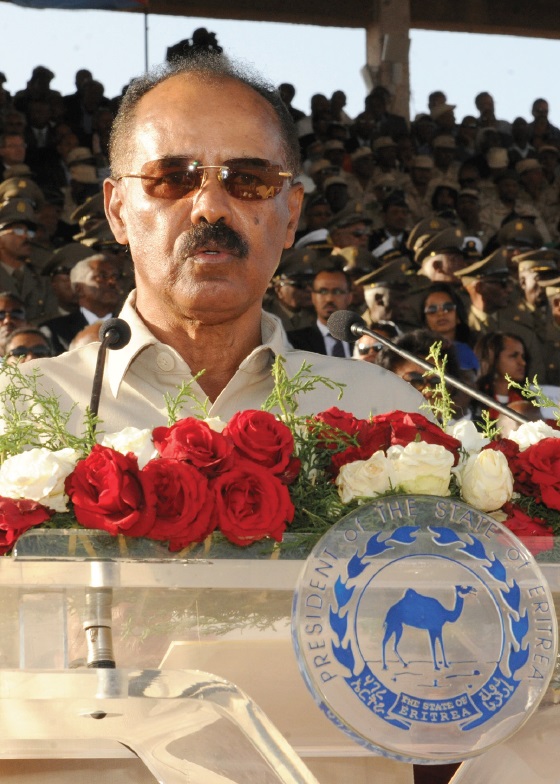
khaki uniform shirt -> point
(139, 375)
(38, 297)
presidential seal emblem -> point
(424, 629)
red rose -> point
(184, 507)
(541, 462)
(342, 426)
(107, 493)
(536, 534)
(259, 436)
(16, 517)
(406, 427)
(251, 503)
(196, 443)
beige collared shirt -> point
(139, 375)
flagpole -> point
(146, 39)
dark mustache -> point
(202, 235)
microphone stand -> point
(358, 327)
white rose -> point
(215, 423)
(39, 475)
(531, 433)
(486, 481)
(471, 439)
(421, 468)
(132, 439)
(364, 478)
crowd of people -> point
(436, 228)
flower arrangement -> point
(261, 472)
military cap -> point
(42, 70)
(333, 144)
(22, 188)
(361, 152)
(17, 211)
(79, 155)
(472, 248)
(422, 162)
(469, 193)
(527, 165)
(441, 109)
(386, 181)
(393, 274)
(354, 212)
(316, 238)
(521, 233)
(98, 235)
(93, 207)
(64, 258)
(84, 173)
(18, 170)
(357, 261)
(497, 158)
(493, 266)
(297, 264)
(551, 286)
(319, 165)
(444, 140)
(548, 148)
(336, 180)
(451, 238)
(543, 260)
(382, 142)
(426, 226)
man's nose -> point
(211, 202)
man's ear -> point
(113, 210)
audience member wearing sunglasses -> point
(26, 344)
(367, 348)
(419, 343)
(204, 158)
(443, 312)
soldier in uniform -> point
(488, 284)
(551, 337)
(17, 275)
(291, 296)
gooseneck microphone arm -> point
(346, 325)
(114, 334)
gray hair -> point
(209, 67)
(79, 271)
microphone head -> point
(115, 332)
(345, 325)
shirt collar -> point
(274, 343)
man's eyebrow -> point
(251, 161)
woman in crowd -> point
(501, 354)
(443, 312)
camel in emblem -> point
(422, 612)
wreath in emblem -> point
(499, 688)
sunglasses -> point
(34, 351)
(297, 284)
(363, 351)
(247, 179)
(420, 382)
(17, 315)
(446, 307)
(20, 231)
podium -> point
(206, 687)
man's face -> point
(100, 289)
(13, 150)
(396, 217)
(420, 176)
(540, 109)
(508, 189)
(295, 293)
(554, 303)
(485, 105)
(495, 292)
(330, 293)
(12, 316)
(182, 271)
(318, 216)
(443, 266)
(15, 241)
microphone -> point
(346, 325)
(114, 333)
